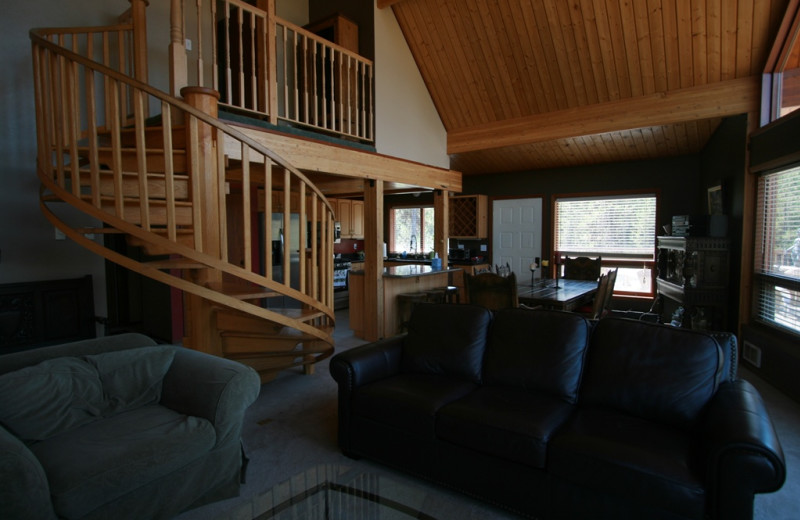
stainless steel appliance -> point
(341, 278)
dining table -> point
(562, 294)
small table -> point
(567, 297)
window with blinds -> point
(777, 250)
(619, 228)
(412, 229)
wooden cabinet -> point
(350, 214)
(468, 216)
(693, 272)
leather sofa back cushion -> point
(61, 394)
(446, 339)
(540, 351)
(655, 372)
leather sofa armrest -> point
(744, 453)
(25, 492)
(367, 363)
(211, 387)
(359, 366)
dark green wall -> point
(677, 180)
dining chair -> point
(492, 291)
(582, 268)
(601, 305)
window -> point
(777, 250)
(412, 229)
(619, 228)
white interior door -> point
(517, 234)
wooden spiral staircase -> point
(188, 189)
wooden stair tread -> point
(243, 291)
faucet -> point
(412, 245)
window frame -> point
(762, 278)
(607, 263)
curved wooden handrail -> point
(67, 133)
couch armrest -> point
(359, 366)
(211, 387)
(367, 363)
(25, 492)
(745, 455)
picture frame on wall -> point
(715, 200)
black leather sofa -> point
(551, 416)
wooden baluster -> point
(248, 253)
(268, 217)
(253, 82)
(116, 148)
(140, 100)
(272, 59)
(214, 48)
(169, 171)
(91, 120)
(315, 202)
(296, 78)
(287, 227)
(218, 147)
(285, 75)
(226, 17)
(240, 57)
(61, 122)
(72, 114)
(305, 75)
(324, 88)
(315, 92)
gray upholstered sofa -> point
(119, 427)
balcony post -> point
(271, 79)
(139, 16)
(177, 48)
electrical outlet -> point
(484, 248)
(188, 44)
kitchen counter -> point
(407, 271)
(399, 279)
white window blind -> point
(621, 227)
(777, 249)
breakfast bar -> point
(402, 279)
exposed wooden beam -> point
(310, 155)
(721, 99)
(383, 4)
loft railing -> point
(271, 68)
(165, 184)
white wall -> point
(28, 249)
(406, 122)
(295, 11)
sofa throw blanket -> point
(62, 394)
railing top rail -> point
(39, 37)
(321, 40)
(48, 31)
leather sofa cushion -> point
(538, 351)
(100, 462)
(630, 458)
(504, 422)
(447, 339)
(409, 401)
(652, 371)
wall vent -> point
(751, 354)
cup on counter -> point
(436, 263)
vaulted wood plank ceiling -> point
(506, 74)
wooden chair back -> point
(582, 268)
(492, 291)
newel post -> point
(208, 216)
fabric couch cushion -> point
(538, 351)
(49, 398)
(447, 339)
(132, 378)
(409, 401)
(61, 394)
(504, 422)
(630, 458)
(102, 461)
(655, 372)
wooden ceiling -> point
(531, 84)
